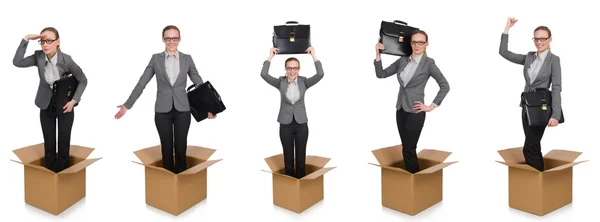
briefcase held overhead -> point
(291, 38)
(395, 36)
(203, 99)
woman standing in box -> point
(52, 64)
(293, 129)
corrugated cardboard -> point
(50, 191)
(293, 194)
(175, 193)
(538, 192)
(406, 192)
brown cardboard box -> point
(175, 193)
(538, 192)
(406, 192)
(293, 194)
(50, 191)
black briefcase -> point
(291, 38)
(395, 36)
(204, 99)
(538, 107)
(63, 90)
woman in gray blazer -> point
(413, 73)
(172, 109)
(540, 69)
(293, 129)
(52, 63)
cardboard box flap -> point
(512, 155)
(79, 166)
(397, 169)
(200, 152)
(563, 155)
(199, 167)
(155, 167)
(34, 166)
(433, 155)
(565, 166)
(30, 153)
(275, 162)
(317, 161)
(149, 155)
(283, 175)
(388, 155)
(81, 152)
(435, 168)
(520, 166)
(317, 174)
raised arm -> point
(504, 52)
(318, 66)
(20, 60)
(264, 73)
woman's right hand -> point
(32, 37)
(379, 46)
(273, 52)
(122, 111)
(509, 23)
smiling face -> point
(292, 68)
(542, 39)
(171, 39)
(419, 43)
(49, 42)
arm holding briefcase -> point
(71, 86)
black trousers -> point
(532, 149)
(294, 135)
(173, 128)
(410, 126)
(48, 119)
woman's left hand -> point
(69, 106)
(311, 51)
(553, 122)
(420, 107)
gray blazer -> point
(64, 65)
(167, 95)
(549, 73)
(287, 110)
(415, 88)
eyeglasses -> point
(168, 39)
(539, 39)
(292, 68)
(417, 43)
(47, 41)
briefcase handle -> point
(400, 22)
(192, 86)
(290, 23)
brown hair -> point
(169, 27)
(422, 33)
(52, 29)
(544, 28)
(292, 59)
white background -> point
(350, 111)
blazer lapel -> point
(182, 64)
(61, 66)
(545, 65)
(419, 69)
(41, 63)
(162, 68)
(284, 89)
(403, 63)
(528, 61)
